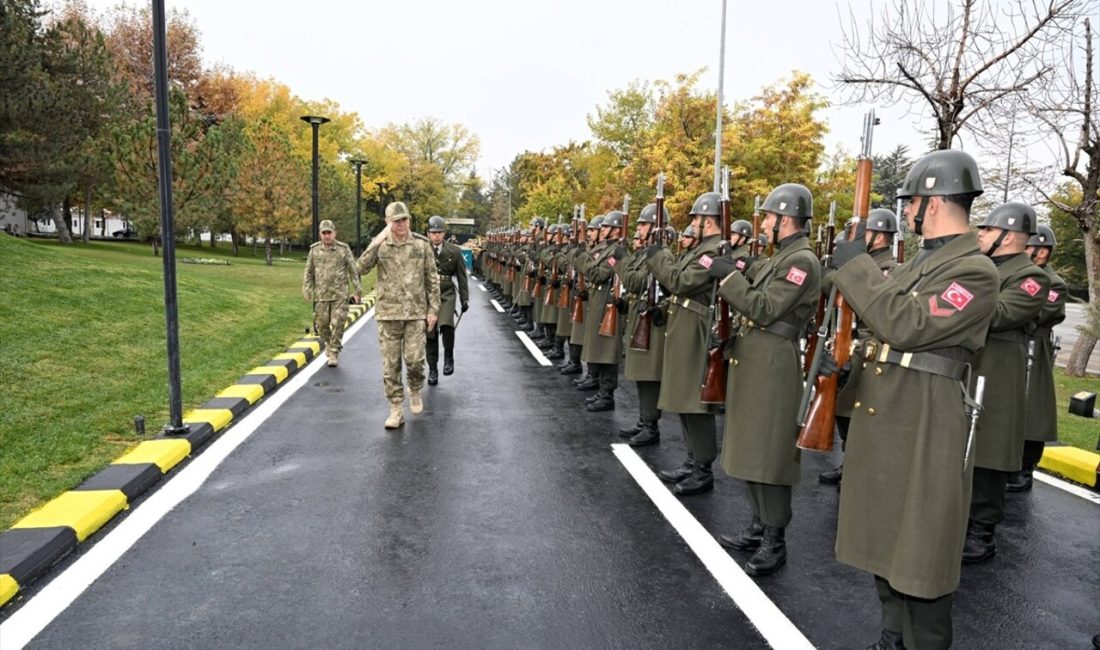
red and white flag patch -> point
(612, 261)
(740, 264)
(957, 295)
(1053, 296)
(1031, 287)
(705, 261)
(796, 276)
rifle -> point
(713, 388)
(565, 293)
(581, 288)
(1055, 348)
(819, 315)
(609, 322)
(643, 327)
(754, 247)
(1030, 364)
(555, 275)
(536, 289)
(819, 420)
(975, 406)
(899, 241)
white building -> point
(15, 219)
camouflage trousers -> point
(401, 339)
(329, 319)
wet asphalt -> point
(499, 518)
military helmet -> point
(882, 220)
(538, 222)
(613, 219)
(670, 234)
(326, 226)
(942, 173)
(437, 224)
(709, 204)
(1014, 216)
(397, 211)
(596, 223)
(790, 200)
(689, 232)
(649, 214)
(741, 227)
(1043, 236)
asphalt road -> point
(1067, 330)
(500, 518)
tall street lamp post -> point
(358, 162)
(316, 122)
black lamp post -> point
(316, 122)
(382, 202)
(358, 162)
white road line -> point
(533, 349)
(772, 624)
(56, 596)
(1076, 490)
(496, 305)
(482, 287)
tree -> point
(272, 201)
(128, 37)
(957, 69)
(890, 172)
(626, 121)
(474, 204)
(1069, 255)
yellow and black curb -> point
(39, 540)
(1077, 465)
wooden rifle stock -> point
(819, 314)
(714, 377)
(817, 431)
(609, 322)
(643, 326)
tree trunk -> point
(156, 249)
(87, 213)
(255, 245)
(64, 235)
(1078, 362)
(267, 251)
(103, 222)
(282, 247)
(235, 238)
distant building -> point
(14, 219)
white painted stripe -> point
(773, 625)
(496, 305)
(1072, 488)
(482, 287)
(533, 349)
(56, 596)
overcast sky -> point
(524, 74)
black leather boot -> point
(589, 383)
(771, 554)
(677, 474)
(449, 363)
(556, 352)
(433, 375)
(1020, 481)
(649, 435)
(980, 545)
(572, 368)
(701, 480)
(605, 401)
(888, 641)
(747, 540)
(630, 432)
(832, 476)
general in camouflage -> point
(330, 277)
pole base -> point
(181, 430)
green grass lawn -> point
(82, 350)
(1074, 429)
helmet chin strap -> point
(996, 243)
(775, 230)
(918, 221)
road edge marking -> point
(1066, 486)
(496, 305)
(533, 349)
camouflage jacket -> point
(330, 270)
(408, 282)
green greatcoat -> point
(1042, 406)
(563, 257)
(452, 271)
(522, 296)
(764, 384)
(548, 313)
(641, 365)
(687, 338)
(578, 258)
(905, 498)
(600, 274)
(999, 440)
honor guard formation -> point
(936, 372)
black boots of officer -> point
(1020, 481)
(603, 400)
(558, 351)
(642, 434)
(980, 545)
(590, 381)
(573, 367)
(678, 474)
(770, 555)
(547, 340)
(747, 540)
(700, 480)
(433, 374)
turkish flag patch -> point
(1053, 296)
(957, 295)
(612, 261)
(1031, 287)
(796, 276)
(740, 265)
(705, 261)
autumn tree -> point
(271, 201)
(129, 32)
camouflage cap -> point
(327, 226)
(396, 211)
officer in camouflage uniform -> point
(879, 231)
(1042, 410)
(330, 271)
(907, 475)
(452, 272)
(999, 440)
(764, 384)
(687, 341)
(407, 306)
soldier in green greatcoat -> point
(602, 352)
(454, 295)
(905, 496)
(547, 310)
(535, 276)
(563, 327)
(999, 440)
(765, 374)
(687, 340)
(329, 276)
(1042, 410)
(643, 366)
(580, 262)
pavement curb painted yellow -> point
(1071, 463)
(37, 541)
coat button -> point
(878, 371)
(870, 411)
(734, 362)
(857, 405)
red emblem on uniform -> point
(1053, 296)
(935, 310)
(1031, 286)
(612, 261)
(740, 265)
(705, 261)
(957, 295)
(796, 276)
